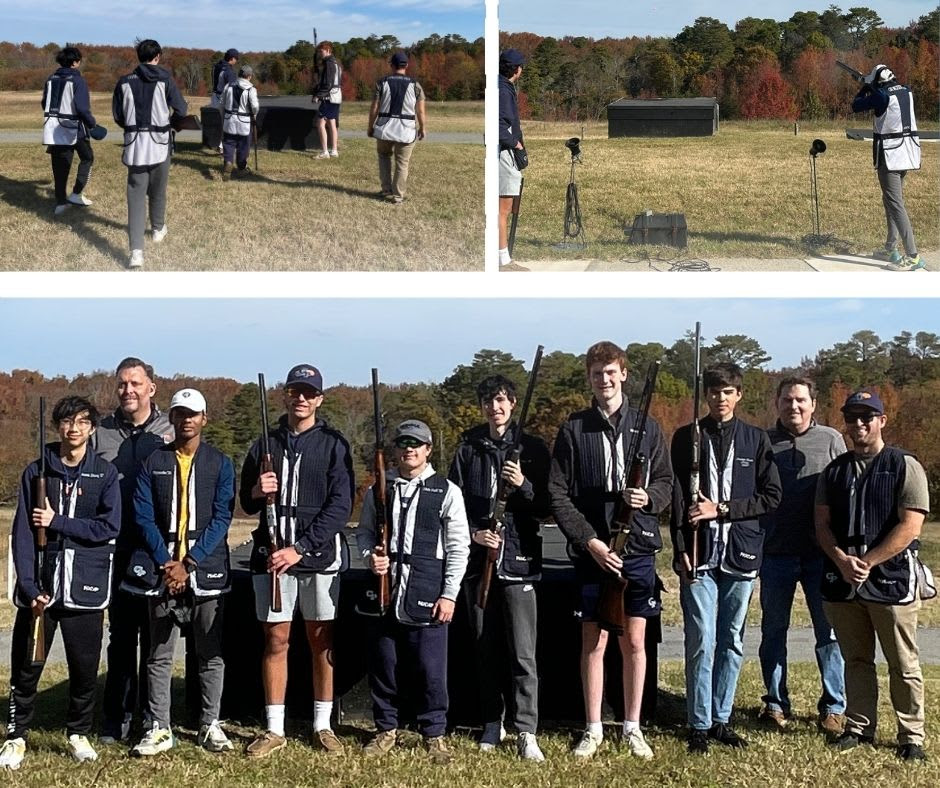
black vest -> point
(874, 510)
(426, 575)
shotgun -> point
(611, 615)
(379, 497)
(254, 133)
(695, 479)
(504, 489)
(516, 201)
(858, 76)
(270, 504)
(38, 492)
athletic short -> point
(316, 594)
(510, 176)
(641, 598)
(329, 110)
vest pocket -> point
(744, 549)
(211, 577)
(425, 583)
(142, 576)
(87, 578)
(834, 588)
(644, 537)
(522, 554)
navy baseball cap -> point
(304, 375)
(412, 428)
(512, 57)
(864, 398)
(230, 53)
(399, 60)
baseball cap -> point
(304, 375)
(399, 59)
(865, 398)
(512, 57)
(412, 428)
(189, 399)
(230, 53)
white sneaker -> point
(324, 155)
(137, 259)
(334, 153)
(159, 235)
(81, 749)
(156, 740)
(528, 748)
(12, 753)
(213, 738)
(637, 744)
(587, 746)
(493, 735)
(78, 199)
(60, 209)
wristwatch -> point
(723, 510)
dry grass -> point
(745, 191)
(798, 757)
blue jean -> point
(779, 575)
(714, 609)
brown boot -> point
(264, 744)
(381, 743)
(831, 724)
(328, 741)
(227, 170)
(438, 751)
(513, 267)
(773, 718)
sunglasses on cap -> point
(307, 392)
(408, 443)
(865, 418)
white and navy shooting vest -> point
(862, 511)
(336, 91)
(61, 121)
(416, 546)
(77, 572)
(896, 132)
(146, 112)
(212, 576)
(398, 103)
(236, 109)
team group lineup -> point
(129, 513)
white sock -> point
(322, 711)
(596, 729)
(504, 258)
(630, 725)
(275, 716)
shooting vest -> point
(77, 572)
(303, 489)
(398, 103)
(896, 132)
(862, 512)
(61, 122)
(146, 113)
(600, 477)
(334, 87)
(236, 109)
(212, 576)
(417, 590)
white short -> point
(316, 593)
(510, 176)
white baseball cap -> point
(189, 399)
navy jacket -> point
(510, 132)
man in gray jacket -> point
(801, 449)
(126, 438)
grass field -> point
(294, 213)
(744, 192)
(798, 757)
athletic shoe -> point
(438, 751)
(326, 740)
(513, 267)
(894, 256)
(493, 734)
(637, 744)
(381, 743)
(831, 723)
(155, 741)
(528, 748)
(81, 749)
(907, 263)
(334, 153)
(394, 200)
(849, 741)
(723, 733)
(213, 738)
(12, 753)
(324, 155)
(60, 209)
(220, 147)
(137, 259)
(911, 752)
(78, 199)
(587, 746)
(264, 744)
(698, 742)
(159, 235)
(773, 718)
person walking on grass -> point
(66, 128)
(81, 516)
(397, 119)
(223, 74)
(142, 106)
(329, 93)
(183, 505)
(239, 108)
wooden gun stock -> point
(38, 492)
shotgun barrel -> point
(270, 501)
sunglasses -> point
(408, 443)
(307, 392)
(865, 418)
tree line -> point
(449, 67)
(761, 69)
(905, 369)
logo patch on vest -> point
(744, 462)
(90, 588)
(139, 570)
(422, 603)
(748, 556)
(214, 575)
(163, 473)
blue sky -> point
(270, 25)
(409, 339)
(599, 18)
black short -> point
(641, 595)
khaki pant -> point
(401, 152)
(856, 624)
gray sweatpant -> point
(145, 183)
(892, 195)
(207, 634)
